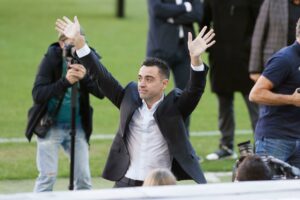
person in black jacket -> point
(151, 133)
(53, 84)
(169, 24)
(233, 22)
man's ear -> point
(165, 83)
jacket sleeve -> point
(192, 94)
(92, 86)
(257, 44)
(190, 17)
(110, 87)
(44, 88)
(90, 82)
(165, 10)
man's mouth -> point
(142, 91)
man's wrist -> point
(196, 60)
(79, 41)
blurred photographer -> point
(261, 167)
(277, 89)
(50, 116)
(253, 168)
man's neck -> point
(151, 102)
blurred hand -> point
(75, 73)
(68, 28)
(296, 97)
(201, 42)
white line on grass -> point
(111, 136)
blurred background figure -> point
(233, 22)
(169, 24)
(160, 176)
(274, 29)
(253, 168)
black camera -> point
(279, 169)
(69, 54)
(245, 148)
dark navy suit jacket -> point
(170, 116)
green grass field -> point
(26, 30)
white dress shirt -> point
(147, 147)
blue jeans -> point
(47, 158)
(286, 150)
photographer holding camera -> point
(50, 116)
(253, 168)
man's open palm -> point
(201, 42)
(67, 27)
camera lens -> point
(245, 148)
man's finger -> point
(211, 31)
(202, 32)
(59, 30)
(67, 20)
(77, 67)
(210, 38)
(210, 44)
(61, 22)
(76, 21)
(190, 37)
(60, 26)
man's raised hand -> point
(201, 42)
(68, 28)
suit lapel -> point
(130, 103)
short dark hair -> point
(253, 168)
(162, 66)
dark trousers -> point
(226, 120)
(127, 182)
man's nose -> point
(142, 83)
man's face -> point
(151, 84)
